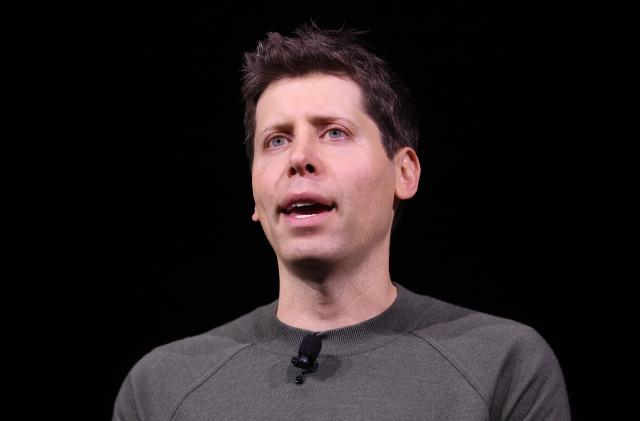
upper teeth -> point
(298, 205)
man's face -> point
(314, 139)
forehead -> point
(316, 94)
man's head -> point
(313, 50)
(326, 116)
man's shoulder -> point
(159, 380)
(486, 348)
(207, 347)
(454, 325)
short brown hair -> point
(386, 99)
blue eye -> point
(271, 141)
(340, 133)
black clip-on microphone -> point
(307, 354)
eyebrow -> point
(316, 120)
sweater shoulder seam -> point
(212, 371)
(458, 366)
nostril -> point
(308, 168)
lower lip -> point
(307, 221)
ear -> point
(255, 217)
(407, 173)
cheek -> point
(259, 183)
(259, 200)
(264, 196)
(372, 192)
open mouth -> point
(306, 210)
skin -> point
(335, 273)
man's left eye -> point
(335, 133)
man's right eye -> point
(276, 141)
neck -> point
(335, 296)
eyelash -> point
(268, 141)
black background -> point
(169, 250)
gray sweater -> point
(421, 359)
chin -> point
(312, 256)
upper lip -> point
(304, 197)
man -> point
(331, 139)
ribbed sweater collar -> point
(399, 318)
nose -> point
(303, 159)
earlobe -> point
(408, 173)
(255, 216)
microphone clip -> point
(306, 366)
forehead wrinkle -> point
(315, 120)
(286, 111)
